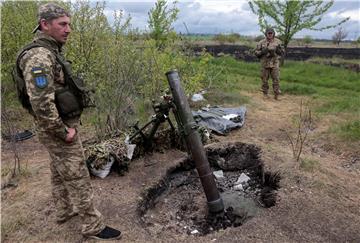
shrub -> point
(124, 73)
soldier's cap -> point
(50, 11)
(269, 29)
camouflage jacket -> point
(43, 76)
(269, 52)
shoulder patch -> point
(39, 77)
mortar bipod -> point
(161, 115)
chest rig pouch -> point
(74, 97)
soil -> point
(320, 204)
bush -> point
(124, 73)
(259, 38)
(307, 40)
(231, 38)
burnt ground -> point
(293, 53)
(177, 203)
(319, 203)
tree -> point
(307, 40)
(339, 36)
(160, 20)
(15, 32)
(290, 17)
(356, 42)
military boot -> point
(107, 233)
(276, 96)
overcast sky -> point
(213, 17)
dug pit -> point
(177, 202)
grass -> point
(332, 90)
(308, 164)
(13, 224)
(336, 60)
(231, 97)
(298, 89)
(23, 172)
(5, 170)
(349, 130)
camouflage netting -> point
(169, 139)
(99, 155)
(119, 153)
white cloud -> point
(220, 6)
(353, 14)
(215, 16)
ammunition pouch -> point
(67, 103)
(84, 95)
(77, 86)
(71, 100)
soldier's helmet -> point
(269, 30)
(50, 11)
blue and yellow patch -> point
(39, 77)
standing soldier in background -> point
(269, 51)
(55, 98)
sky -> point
(229, 16)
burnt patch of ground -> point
(293, 53)
(177, 202)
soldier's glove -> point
(264, 51)
(271, 52)
(258, 54)
(278, 50)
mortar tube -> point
(194, 144)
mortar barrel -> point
(194, 144)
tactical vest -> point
(70, 101)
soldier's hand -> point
(71, 132)
(271, 52)
(264, 50)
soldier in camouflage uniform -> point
(44, 77)
(269, 50)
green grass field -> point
(333, 91)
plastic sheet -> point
(220, 120)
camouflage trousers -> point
(70, 181)
(275, 76)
